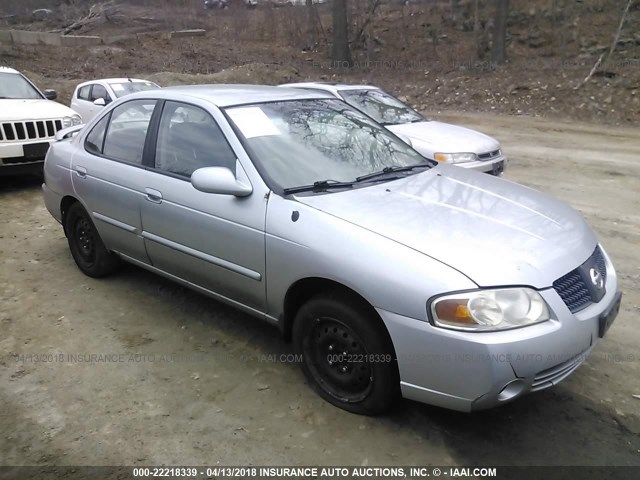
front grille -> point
(29, 130)
(573, 291)
(489, 155)
(555, 374)
(573, 288)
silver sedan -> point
(391, 275)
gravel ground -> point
(191, 381)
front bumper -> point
(473, 371)
(23, 157)
(495, 166)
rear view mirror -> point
(99, 102)
(50, 94)
(219, 180)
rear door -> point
(108, 175)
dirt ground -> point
(193, 382)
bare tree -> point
(312, 34)
(613, 46)
(340, 52)
(615, 39)
(499, 51)
(454, 5)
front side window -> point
(98, 91)
(15, 86)
(302, 142)
(188, 139)
(381, 106)
(127, 131)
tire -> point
(347, 354)
(86, 246)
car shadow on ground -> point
(552, 427)
(15, 183)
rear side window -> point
(83, 93)
(127, 131)
(95, 139)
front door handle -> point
(81, 172)
(153, 195)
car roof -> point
(114, 80)
(331, 86)
(8, 70)
(230, 95)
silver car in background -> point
(392, 276)
(442, 142)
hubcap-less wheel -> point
(339, 360)
(85, 243)
(86, 239)
(347, 354)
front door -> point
(214, 241)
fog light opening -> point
(511, 390)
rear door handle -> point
(153, 195)
(81, 172)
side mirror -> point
(219, 180)
(50, 94)
(99, 102)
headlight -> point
(71, 121)
(485, 310)
(455, 157)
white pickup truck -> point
(29, 121)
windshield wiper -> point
(318, 186)
(388, 170)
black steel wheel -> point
(86, 246)
(347, 354)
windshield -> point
(302, 142)
(14, 85)
(125, 88)
(381, 106)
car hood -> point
(437, 137)
(493, 231)
(13, 110)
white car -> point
(29, 121)
(91, 97)
(438, 141)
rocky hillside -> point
(436, 60)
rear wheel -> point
(86, 246)
(347, 354)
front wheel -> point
(86, 246)
(347, 354)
